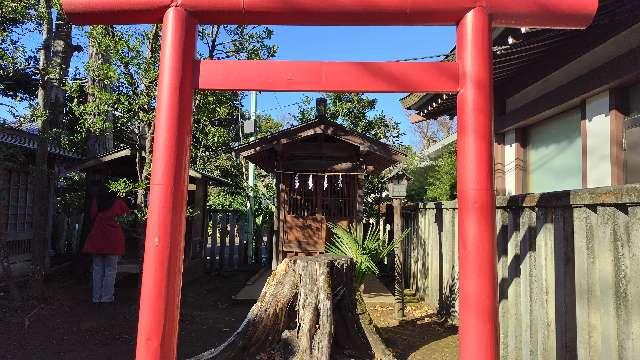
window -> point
(554, 153)
(18, 202)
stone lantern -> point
(397, 184)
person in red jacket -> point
(105, 242)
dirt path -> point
(419, 336)
(68, 326)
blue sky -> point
(333, 43)
(356, 44)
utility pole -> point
(252, 180)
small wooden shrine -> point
(319, 168)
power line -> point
(424, 57)
(281, 107)
(286, 106)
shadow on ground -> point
(66, 325)
(420, 336)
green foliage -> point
(18, 65)
(366, 250)
(125, 187)
(355, 111)
(228, 199)
(417, 187)
(264, 192)
(217, 120)
(216, 131)
(267, 125)
(441, 176)
(220, 159)
(374, 188)
(120, 99)
(71, 194)
(246, 42)
(435, 181)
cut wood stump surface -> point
(308, 309)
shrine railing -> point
(227, 245)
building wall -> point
(510, 162)
(599, 84)
(571, 150)
(598, 140)
(17, 190)
(595, 144)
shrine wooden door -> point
(310, 202)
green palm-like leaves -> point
(366, 250)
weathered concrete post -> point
(397, 186)
(398, 262)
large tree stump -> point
(308, 309)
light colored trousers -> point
(105, 268)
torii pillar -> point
(470, 76)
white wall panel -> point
(510, 162)
(598, 141)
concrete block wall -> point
(568, 270)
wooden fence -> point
(227, 247)
(568, 270)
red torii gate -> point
(470, 76)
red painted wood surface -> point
(164, 243)
(516, 13)
(159, 307)
(324, 76)
(478, 305)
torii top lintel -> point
(508, 13)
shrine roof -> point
(340, 143)
(531, 55)
(120, 162)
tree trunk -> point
(41, 171)
(55, 59)
(61, 53)
(307, 310)
(98, 143)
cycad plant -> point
(366, 250)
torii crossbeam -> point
(470, 76)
